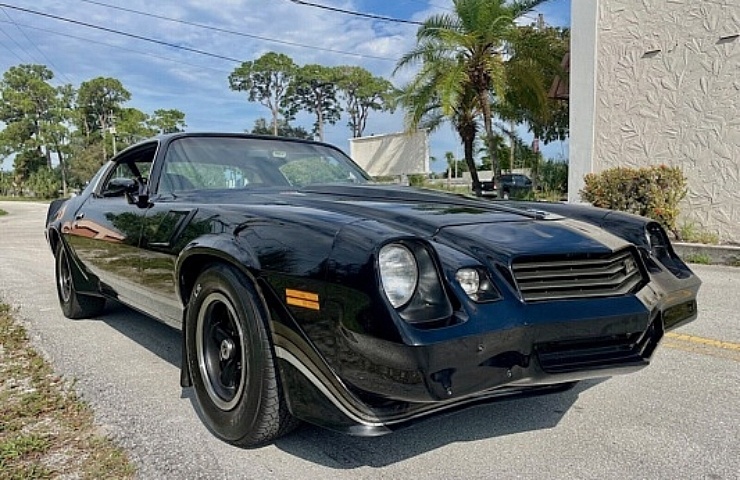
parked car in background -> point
(510, 185)
(307, 292)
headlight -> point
(469, 280)
(476, 285)
(399, 273)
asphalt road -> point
(678, 418)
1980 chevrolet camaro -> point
(305, 291)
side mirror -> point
(118, 187)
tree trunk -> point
(62, 168)
(320, 121)
(512, 146)
(488, 126)
(468, 143)
(274, 121)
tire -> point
(74, 305)
(231, 360)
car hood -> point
(470, 224)
(422, 212)
(465, 223)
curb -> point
(709, 254)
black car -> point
(507, 186)
(306, 292)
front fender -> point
(208, 249)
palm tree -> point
(437, 94)
(474, 40)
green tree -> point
(474, 39)
(315, 90)
(132, 126)
(58, 134)
(267, 80)
(285, 129)
(27, 100)
(85, 160)
(99, 102)
(167, 121)
(362, 93)
(533, 66)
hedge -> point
(652, 192)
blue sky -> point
(159, 76)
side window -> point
(129, 174)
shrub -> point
(553, 176)
(652, 192)
(417, 180)
(44, 183)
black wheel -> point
(231, 360)
(74, 304)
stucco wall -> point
(668, 92)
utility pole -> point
(112, 130)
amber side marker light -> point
(299, 298)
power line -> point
(8, 49)
(235, 32)
(20, 47)
(139, 52)
(357, 14)
(125, 34)
(54, 67)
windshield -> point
(232, 162)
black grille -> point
(621, 350)
(563, 278)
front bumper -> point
(502, 348)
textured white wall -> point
(679, 106)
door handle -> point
(80, 216)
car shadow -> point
(339, 451)
(160, 339)
(498, 419)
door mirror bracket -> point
(139, 198)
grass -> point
(693, 234)
(2, 212)
(700, 258)
(24, 199)
(45, 430)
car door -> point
(170, 224)
(106, 230)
